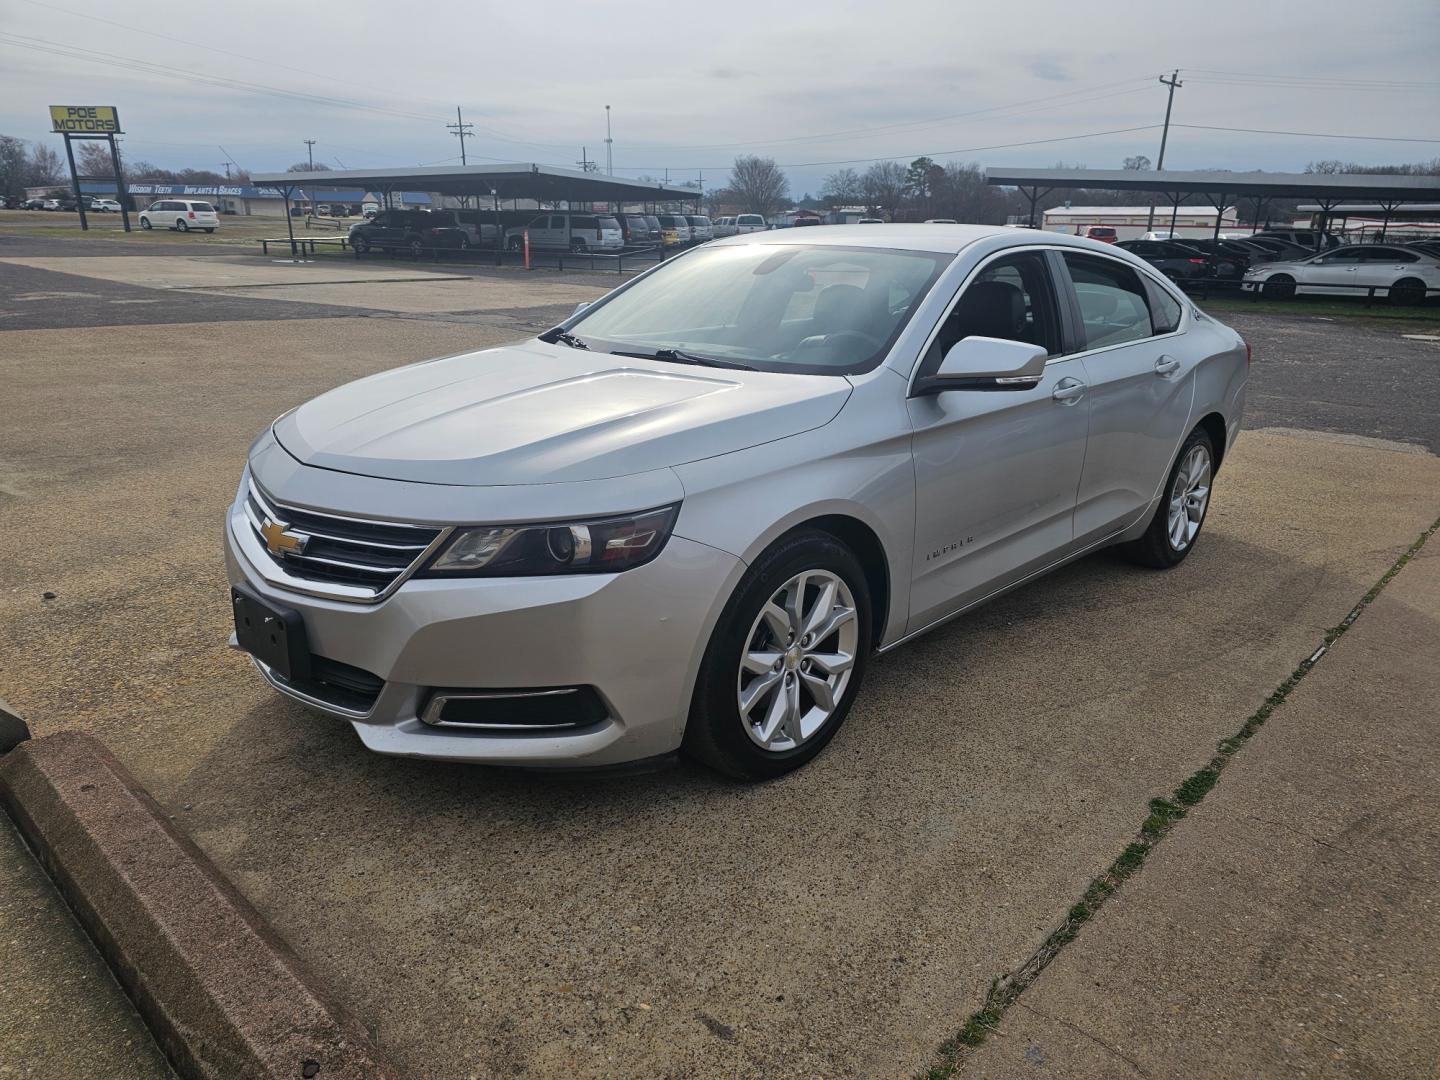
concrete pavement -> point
(1290, 926)
(61, 1012)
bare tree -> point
(45, 166)
(93, 159)
(883, 186)
(965, 195)
(305, 166)
(842, 188)
(14, 165)
(759, 184)
(1138, 163)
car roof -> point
(919, 237)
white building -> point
(1129, 222)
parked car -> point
(748, 223)
(568, 232)
(1229, 259)
(941, 221)
(781, 469)
(181, 215)
(701, 228)
(1404, 275)
(53, 204)
(636, 231)
(323, 210)
(1161, 234)
(481, 227)
(1175, 261)
(724, 226)
(104, 206)
(862, 221)
(415, 231)
(1312, 240)
(679, 224)
(33, 204)
(1270, 248)
(1426, 247)
(11, 202)
(657, 232)
(1104, 233)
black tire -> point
(1278, 287)
(145, 224)
(209, 230)
(181, 226)
(360, 245)
(415, 246)
(715, 733)
(464, 243)
(1156, 549)
(1408, 291)
(515, 243)
(577, 245)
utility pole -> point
(609, 157)
(1174, 84)
(227, 171)
(461, 130)
(310, 152)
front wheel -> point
(577, 246)
(359, 245)
(785, 661)
(209, 230)
(417, 247)
(145, 224)
(1279, 287)
(1177, 521)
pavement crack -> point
(1111, 1050)
(1165, 814)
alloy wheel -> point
(798, 657)
(1189, 497)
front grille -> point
(338, 684)
(373, 556)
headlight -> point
(602, 546)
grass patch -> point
(1324, 306)
(1164, 814)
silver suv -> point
(568, 232)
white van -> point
(700, 228)
(568, 232)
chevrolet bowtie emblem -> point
(279, 540)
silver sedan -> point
(1404, 275)
(687, 517)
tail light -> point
(1247, 354)
(1198, 262)
(191, 215)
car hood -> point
(544, 414)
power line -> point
(1308, 134)
(1326, 79)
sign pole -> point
(75, 184)
(122, 193)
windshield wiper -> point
(563, 337)
(677, 357)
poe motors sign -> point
(85, 120)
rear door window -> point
(1113, 305)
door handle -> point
(1167, 365)
(1068, 391)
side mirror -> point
(986, 363)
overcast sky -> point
(693, 85)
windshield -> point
(819, 309)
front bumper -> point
(637, 637)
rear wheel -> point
(181, 226)
(577, 245)
(785, 661)
(1279, 287)
(1177, 521)
(515, 243)
(1408, 291)
(416, 247)
(209, 230)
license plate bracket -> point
(272, 634)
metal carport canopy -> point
(1322, 187)
(520, 180)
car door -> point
(1382, 266)
(1334, 272)
(1141, 385)
(996, 471)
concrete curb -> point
(223, 995)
